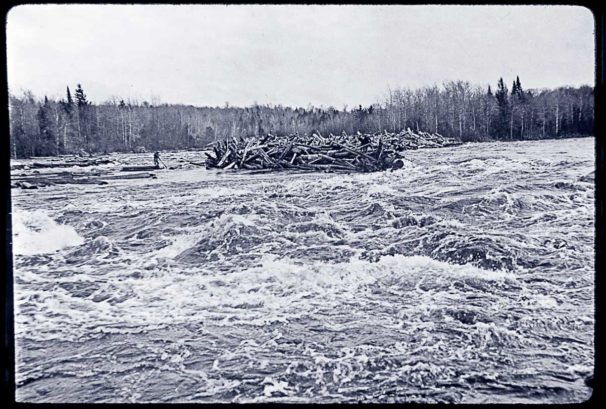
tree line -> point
(46, 127)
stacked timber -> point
(347, 153)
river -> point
(467, 276)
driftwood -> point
(130, 176)
(62, 174)
(50, 171)
(62, 164)
(35, 181)
(138, 168)
(341, 153)
(196, 163)
(41, 181)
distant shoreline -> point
(203, 149)
(456, 109)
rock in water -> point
(26, 185)
(398, 164)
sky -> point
(210, 55)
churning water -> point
(467, 276)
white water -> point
(34, 232)
(465, 277)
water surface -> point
(467, 276)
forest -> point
(454, 109)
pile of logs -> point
(361, 153)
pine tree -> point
(47, 142)
(504, 110)
(501, 94)
(67, 128)
(70, 101)
(80, 97)
(519, 85)
(520, 92)
(518, 108)
(489, 106)
(83, 117)
(67, 105)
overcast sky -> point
(291, 55)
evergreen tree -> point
(514, 88)
(519, 92)
(70, 101)
(504, 110)
(455, 110)
(67, 137)
(501, 94)
(489, 108)
(518, 109)
(84, 118)
(80, 96)
(46, 143)
(69, 104)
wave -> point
(462, 274)
(35, 232)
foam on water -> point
(34, 232)
(465, 276)
(211, 193)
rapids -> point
(467, 276)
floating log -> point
(62, 164)
(131, 176)
(37, 180)
(26, 185)
(138, 168)
(50, 175)
(40, 181)
(197, 163)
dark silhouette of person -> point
(157, 159)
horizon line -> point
(227, 104)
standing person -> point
(157, 159)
